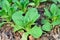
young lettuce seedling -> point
(22, 4)
(25, 22)
(7, 10)
(55, 1)
(52, 17)
(37, 2)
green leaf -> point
(58, 1)
(23, 4)
(11, 11)
(58, 12)
(43, 0)
(24, 36)
(14, 6)
(3, 13)
(31, 4)
(0, 12)
(54, 23)
(27, 20)
(36, 32)
(17, 27)
(9, 1)
(1, 24)
(37, 2)
(18, 18)
(18, 3)
(55, 1)
(31, 16)
(53, 9)
(5, 5)
(47, 13)
(47, 27)
(14, 0)
(43, 21)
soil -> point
(6, 33)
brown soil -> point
(6, 33)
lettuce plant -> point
(52, 17)
(7, 10)
(22, 4)
(55, 1)
(2, 23)
(37, 2)
(25, 22)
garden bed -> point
(6, 33)
(29, 20)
